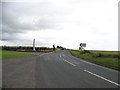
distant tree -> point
(58, 46)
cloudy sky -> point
(61, 22)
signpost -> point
(82, 46)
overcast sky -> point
(61, 22)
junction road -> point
(57, 69)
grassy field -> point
(13, 54)
(104, 58)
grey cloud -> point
(9, 36)
(11, 12)
(0, 17)
(10, 19)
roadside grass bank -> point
(0, 54)
(13, 54)
(104, 58)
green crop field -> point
(13, 54)
(104, 58)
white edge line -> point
(103, 67)
(98, 65)
(69, 62)
(102, 77)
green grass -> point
(13, 54)
(0, 54)
(107, 53)
(104, 58)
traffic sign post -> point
(81, 48)
(83, 44)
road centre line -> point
(60, 55)
(93, 73)
(40, 55)
(63, 55)
(90, 63)
(69, 62)
(102, 77)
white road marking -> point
(63, 55)
(98, 65)
(47, 53)
(69, 62)
(102, 77)
(60, 55)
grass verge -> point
(104, 58)
(0, 54)
(13, 54)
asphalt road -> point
(56, 70)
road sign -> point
(83, 44)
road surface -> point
(56, 70)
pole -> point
(33, 44)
